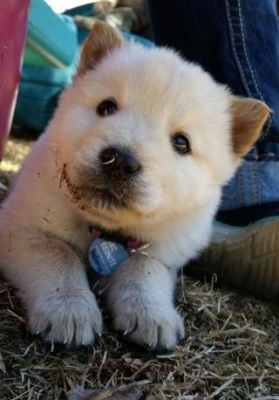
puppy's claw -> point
(49, 343)
(180, 336)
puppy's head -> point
(146, 137)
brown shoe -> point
(245, 258)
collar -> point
(131, 245)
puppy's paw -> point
(156, 328)
(72, 318)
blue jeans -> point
(237, 42)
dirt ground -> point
(231, 350)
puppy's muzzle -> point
(119, 163)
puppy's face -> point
(146, 137)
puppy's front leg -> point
(140, 298)
(52, 283)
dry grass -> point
(231, 352)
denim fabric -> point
(255, 183)
(237, 42)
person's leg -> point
(238, 43)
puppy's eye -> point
(107, 107)
(181, 143)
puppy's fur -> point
(170, 201)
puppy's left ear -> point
(101, 40)
(248, 118)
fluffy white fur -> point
(44, 235)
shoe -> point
(243, 257)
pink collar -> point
(131, 245)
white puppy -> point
(140, 145)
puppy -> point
(139, 147)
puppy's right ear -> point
(101, 40)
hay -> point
(231, 351)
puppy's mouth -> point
(99, 196)
(105, 198)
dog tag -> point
(105, 256)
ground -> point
(231, 350)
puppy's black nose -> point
(118, 162)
